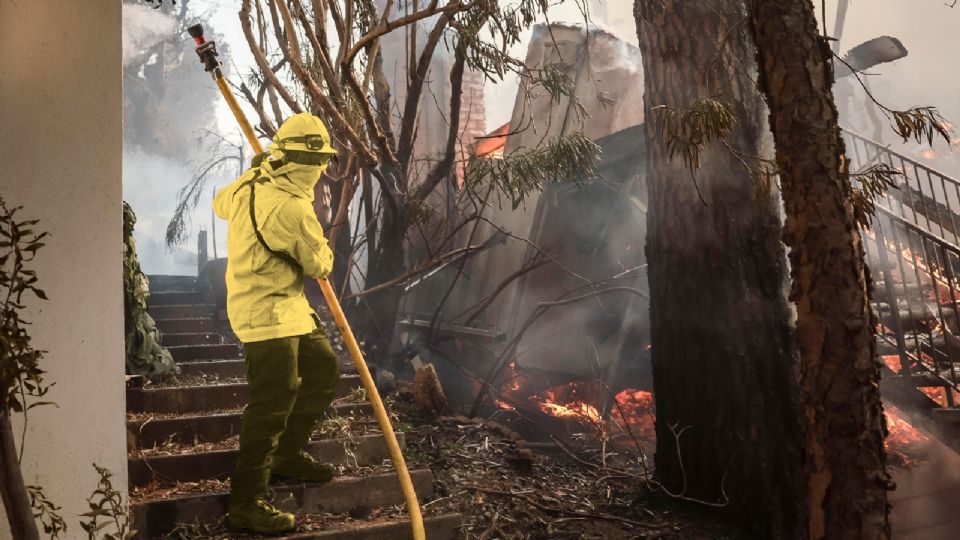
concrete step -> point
(194, 311)
(218, 368)
(217, 465)
(223, 351)
(154, 518)
(165, 283)
(223, 369)
(182, 326)
(187, 399)
(174, 298)
(209, 428)
(197, 338)
(445, 527)
(213, 397)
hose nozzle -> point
(206, 50)
(196, 32)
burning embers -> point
(579, 406)
(904, 442)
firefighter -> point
(274, 240)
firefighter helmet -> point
(304, 132)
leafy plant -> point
(20, 373)
(917, 123)
(21, 377)
(106, 503)
(144, 354)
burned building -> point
(578, 237)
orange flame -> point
(902, 438)
(637, 412)
(568, 401)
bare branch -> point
(329, 109)
(386, 27)
(443, 168)
(261, 60)
(415, 90)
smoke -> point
(613, 17)
(143, 27)
(169, 105)
(924, 77)
(150, 185)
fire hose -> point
(207, 51)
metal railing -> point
(913, 248)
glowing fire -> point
(572, 410)
(569, 401)
(893, 362)
(637, 412)
(514, 377)
(630, 416)
(902, 438)
(506, 406)
(936, 394)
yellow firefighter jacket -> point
(265, 297)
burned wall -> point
(588, 232)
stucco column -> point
(60, 158)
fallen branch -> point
(541, 308)
(578, 513)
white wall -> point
(60, 157)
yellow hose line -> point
(241, 118)
(379, 410)
(396, 455)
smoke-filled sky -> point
(151, 181)
(615, 16)
(926, 77)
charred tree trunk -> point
(724, 367)
(376, 312)
(16, 500)
(846, 478)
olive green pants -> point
(292, 381)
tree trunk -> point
(16, 500)
(846, 478)
(725, 373)
(376, 313)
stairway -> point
(913, 249)
(182, 439)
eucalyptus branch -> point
(320, 53)
(918, 123)
(571, 158)
(189, 196)
(386, 27)
(511, 346)
(868, 186)
(426, 267)
(415, 91)
(685, 132)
